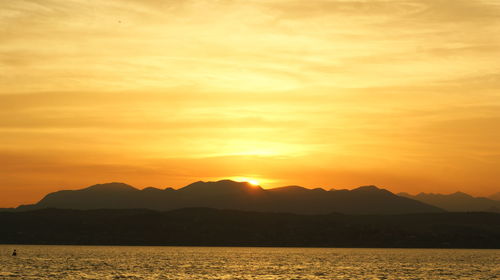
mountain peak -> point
(369, 188)
(114, 186)
(220, 187)
(461, 194)
(372, 190)
(289, 189)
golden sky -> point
(404, 94)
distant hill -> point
(457, 202)
(211, 227)
(495, 196)
(227, 194)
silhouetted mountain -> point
(457, 202)
(7, 209)
(228, 194)
(211, 227)
(495, 196)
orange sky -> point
(404, 94)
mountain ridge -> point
(495, 196)
(227, 194)
(456, 202)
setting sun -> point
(253, 182)
(331, 94)
(246, 179)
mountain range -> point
(457, 202)
(495, 196)
(227, 194)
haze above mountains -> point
(227, 194)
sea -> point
(121, 262)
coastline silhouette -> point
(211, 227)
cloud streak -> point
(349, 88)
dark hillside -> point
(210, 227)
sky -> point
(402, 94)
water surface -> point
(115, 262)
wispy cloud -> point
(349, 88)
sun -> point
(251, 181)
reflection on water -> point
(113, 262)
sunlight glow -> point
(336, 93)
(251, 181)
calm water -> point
(88, 262)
